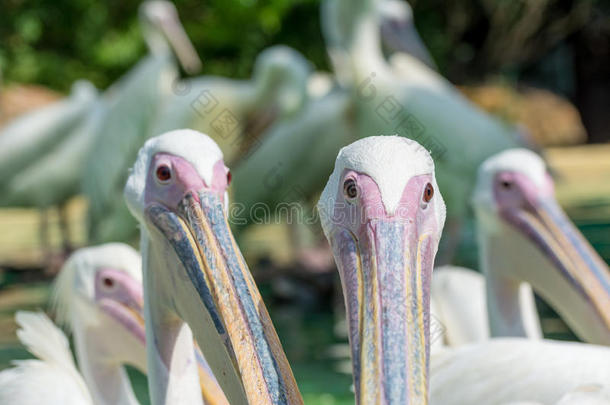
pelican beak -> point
(385, 272)
(547, 226)
(181, 44)
(200, 236)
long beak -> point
(181, 44)
(200, 236)
(547, 226)
(386, 282)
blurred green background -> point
(562, 45)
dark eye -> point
(229, 177)
(108, 282)
(164, 173)
(428, 193)
(350, 189)
(507, 185)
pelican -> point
(235, 112)
(398, 31)
(196, 281)
(99, 295)
(526, 241)
(382, 214)
(28, 138)
(136, 100)
(383, 217)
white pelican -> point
(399, 33)
(383, 217)
(135, 101)
(526, 241)
(196, 278)
(99, 295)
(235, 112)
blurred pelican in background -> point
(32, 150)
(195, 278)
(233, 112)
(399, 34)
(525, 241)
(136, 101)
(98, 294)
(373, 98)
(48, 153)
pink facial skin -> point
(182, 180)
(368, 205)
(121, 297)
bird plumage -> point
(52, 378)
(505, 370)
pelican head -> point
(195, 273)
(98, 294)
(383, 216)
(286, 71)
(398, 30)
(162, 29)
(526, 237)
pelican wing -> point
(135, 101)
(502, 371)
(53, 377)
(32, 135)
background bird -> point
(526, 242)
(98, 294)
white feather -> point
(507, 370)
(53, 378)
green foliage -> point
(57, 42)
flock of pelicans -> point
(188, 312)
(190, 315)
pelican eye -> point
(428, 193)
(108, 282)
(507, 185)
(350, 189)
(164, 173)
